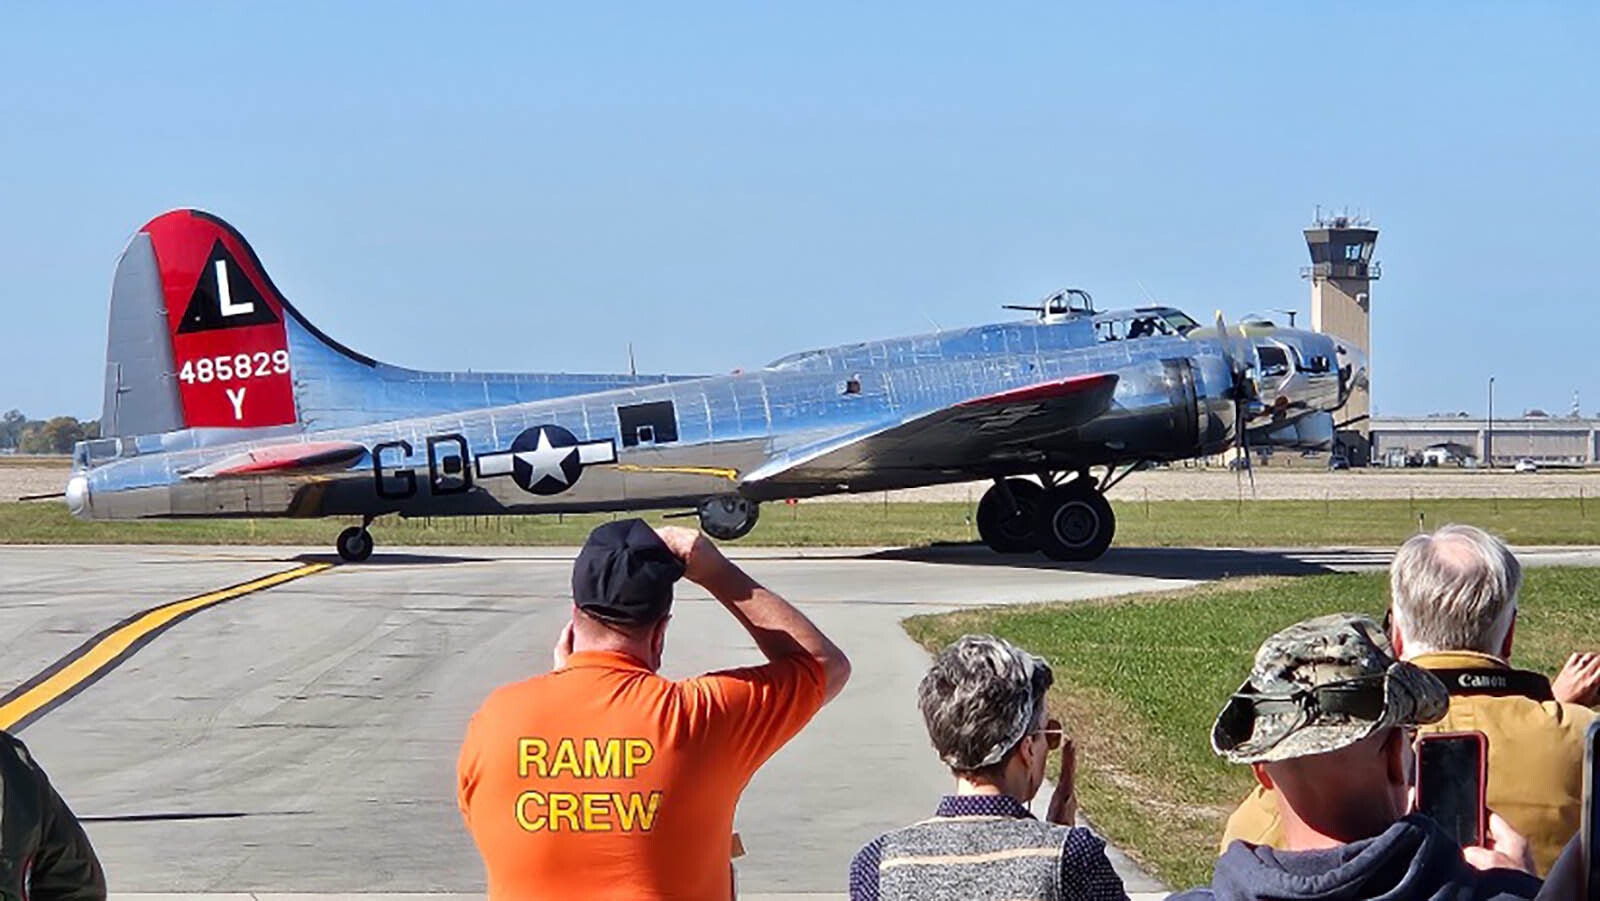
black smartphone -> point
(1590, 829)
(1452, 771)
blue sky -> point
(532, 188)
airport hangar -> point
(1542, 439)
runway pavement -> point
(302, 738)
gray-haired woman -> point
(983, 702)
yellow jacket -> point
(1535, 764)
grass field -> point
(31, 461)
(1156, 524)
(1139, 681)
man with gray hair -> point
(983, 702)
(1453, 597)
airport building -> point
(1439, 440)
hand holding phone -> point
(1507, 849)
(1452, 778)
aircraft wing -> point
(297, 458)
(961, 437)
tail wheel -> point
(354, 544)
(1074, 523)
(1008, 528)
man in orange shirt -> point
(601, 779)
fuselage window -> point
(652, 423)
(1110, 330)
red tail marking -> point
(226, 323)
(1078, 384)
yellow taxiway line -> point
(63, 679)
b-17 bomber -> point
(223, 400)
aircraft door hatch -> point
(648, 424)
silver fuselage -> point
(731, 434)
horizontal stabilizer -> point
(298, 458)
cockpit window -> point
(1274, 362)
(1180, 322)
(1110, 330)
(1145, 323)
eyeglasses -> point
(1052, 733)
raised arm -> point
(778, 628)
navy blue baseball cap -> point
(624, 574)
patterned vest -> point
(967, 857)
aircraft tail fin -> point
(201, 338)
(199, 335)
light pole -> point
(1488, 438)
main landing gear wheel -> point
(728, 517)
(1074, 522)
(1008, 528)
(354, 544)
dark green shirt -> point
(44, 853)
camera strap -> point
(1497, 683)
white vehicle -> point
(1526, 465)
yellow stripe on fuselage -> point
(731, 475)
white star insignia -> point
(546, 460)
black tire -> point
(1003, 532)
(354, 544)
(715, 513)
(1074, 523)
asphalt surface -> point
(302, 739)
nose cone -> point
(78, 496)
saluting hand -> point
(701, 559)
(1579, 680)
(1063, 809)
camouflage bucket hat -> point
(1322, 685)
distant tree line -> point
(19, 434)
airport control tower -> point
(1342, 272)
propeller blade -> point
(1249, 464)
(1350, 422)
(1244, 391)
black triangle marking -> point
(246, 305)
